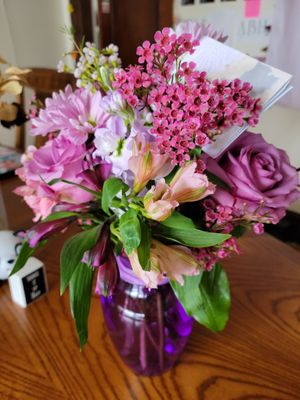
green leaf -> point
(196, 152)
(206, 297)
(111, 188)
(25, 252)
(144, 248)
(72, 253)
(177, 220)
(191, 237)
(59, 215)
(216, 180)
(80, 299)
(130, 230)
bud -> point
(43, 230)
(107, 276)
(157, 202)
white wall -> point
(30, 37)
(34, 30)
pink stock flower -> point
(171, 261)
(57, 159)
(261, 179)
(75, 114)
(189, 186)
(108, 139)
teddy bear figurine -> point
(10, 246)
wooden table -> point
(256, 357)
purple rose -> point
(263, 183)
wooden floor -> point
(256, 357)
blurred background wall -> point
(30, 36)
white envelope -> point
(224, 62)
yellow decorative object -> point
(70, 8)
(11, 82)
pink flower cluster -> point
(188, 109)
(224, 219)
(190, 114)
(209, 256)
(218, 217)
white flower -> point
(60, 66)
(110, 139)
(77, 73)
(113, 48)
(102, 60)
(119, 159)
(113, 103)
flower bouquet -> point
(124, 162)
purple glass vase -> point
(148, 327)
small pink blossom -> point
(145, 52)
(258, 228)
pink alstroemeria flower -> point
(171, 261)
(148, 165)
(189, 186)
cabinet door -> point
(133, 21)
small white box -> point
(29, 283)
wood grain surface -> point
(256, 357)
